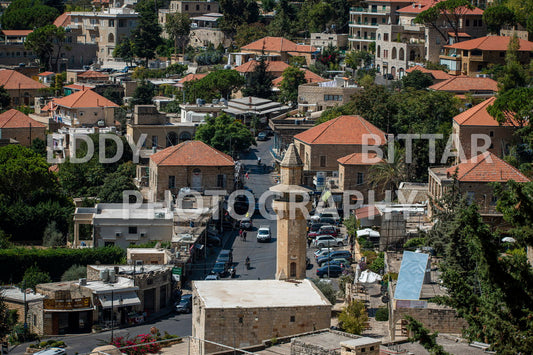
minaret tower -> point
(292, 223)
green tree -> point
(143, 94)
(75, 272)
(320, 15)
(353, 318)
(259, 82)
(292, 79)
(52, 237)
(357, 59)
(283, 23)
(236, 13)
(47, 42)
(112, 95)
(225, 134)
(248, 33)
(513, 107)
(5, 99)
(388, 175)
(178, 27)
(116, 183)
(498, 16)
(514, 75)
(124, 50)
(217, 84)
(327, 290)
(146, 37)
(34, 276)
(6, 323)
(421, 334)
(27, 15)
(451, 11)
(417, 80)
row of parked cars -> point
(332, 263)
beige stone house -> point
(18, 126)
(477, 121)
(461, 85)
(474, 178)
(279, 48)
(246, 312)
(321, 146)
(191, 164)
(84, 108)
(317, 96)
(354, 173)
(20, 88)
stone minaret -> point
(292, 225)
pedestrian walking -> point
(309, 241)
(247, 176)
(244, 235)
(240, 233)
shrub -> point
(75, 272)
(382, 314)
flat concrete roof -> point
(360, 342)
(128, 269)
(15, 294)
(330, 340)
(259, 293)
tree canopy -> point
(225, 134)
(293, 77)
(146, 37)
(217, 84)
(178, 27)
(47, 42)
(417, 80)
(498, 16)
(237, 13)
(259, 82)
(30, 14)
(451, 11)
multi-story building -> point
(205, 31)
(317, 96)
(324, 40)
(191, 8)
(471, 57)
(103, 28)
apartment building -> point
(191, 8)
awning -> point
(121, 299)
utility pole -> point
(112, 316)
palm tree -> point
(388, 175)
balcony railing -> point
(368, 10)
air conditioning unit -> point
(143, 234)
(83, 282)
(138, 262)
(118, 234)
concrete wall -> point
(88, 116)
(183, 133)
(105, 232)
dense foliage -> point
(259, 82)
(30, 14)
(225, 134)
(52, 261)
(353, 318)
(216, 85)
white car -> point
(322, 252)
(323, 241)
(263, 234)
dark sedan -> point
(332, 270)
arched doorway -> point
(401, 73)
(393, 71)
(196, 180)
(412, 55)
(172, 139)
(185, 136)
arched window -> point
(402, 54)
(172, 139)
(292, 271)
(185, 136)
(393, 54)
(111, 38)
(412, 55)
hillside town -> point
(309, 177)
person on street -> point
(247, 262)
(244, 235)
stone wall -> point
(202, 37)
(34, 315)
(501, 137)
(314, 94)
(25, 135)
(442, 320)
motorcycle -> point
(247, 263)
(232, 273)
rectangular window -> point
(475, 23)
(111, 23)
(34, 320)
(171, 182)
(322, 161)
(360, 177)
(154, 141)
(132, 230)
(470, 197)
(186, 7)
(221, 180)
(197, 7)
(491, 134)
(293, 319)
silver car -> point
(263, 234)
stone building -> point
(205, 31)
(318, 96)
(321, 146)
(21, 89)
(473, 178)
(324, 40)
(244, 313)
(18, 126)
(160, 131)
(291, 221)
(279, 48)
(461, 85)
(473, 56)
(15, 299)
(149, 256)
(354, 173)
(191, 164)
(332, 342)
(477, 121)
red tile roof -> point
(13, 80)
(436, 74)
(359, 159)
(78, 87)
(367, 211)
(18, 33)
(191, 153)
(478, 115)
(191, 77)
(46, 73)
(16, 119)
(272, 66)
(310, 77)
(84, 98)
(278, 44)
(419, 6)
(62, 20)
(486, 167)
(92, 74)
(460, 34)
(342, 130)
(491, 43)
(462, 84)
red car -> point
(324, 230)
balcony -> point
(362, 24)
(366, 10)
(362, 38)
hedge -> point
(14, 261)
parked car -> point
(314, 227)
(333, 255)
(324, 230)
(322, 241)
(262, 136)
(336, 262)
(212, 277)
(226, 254)
(246, 223)
(263, 234)
(184, 305)
(332, 271)
(220, 268)
(322, 252)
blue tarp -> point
(411, 276)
